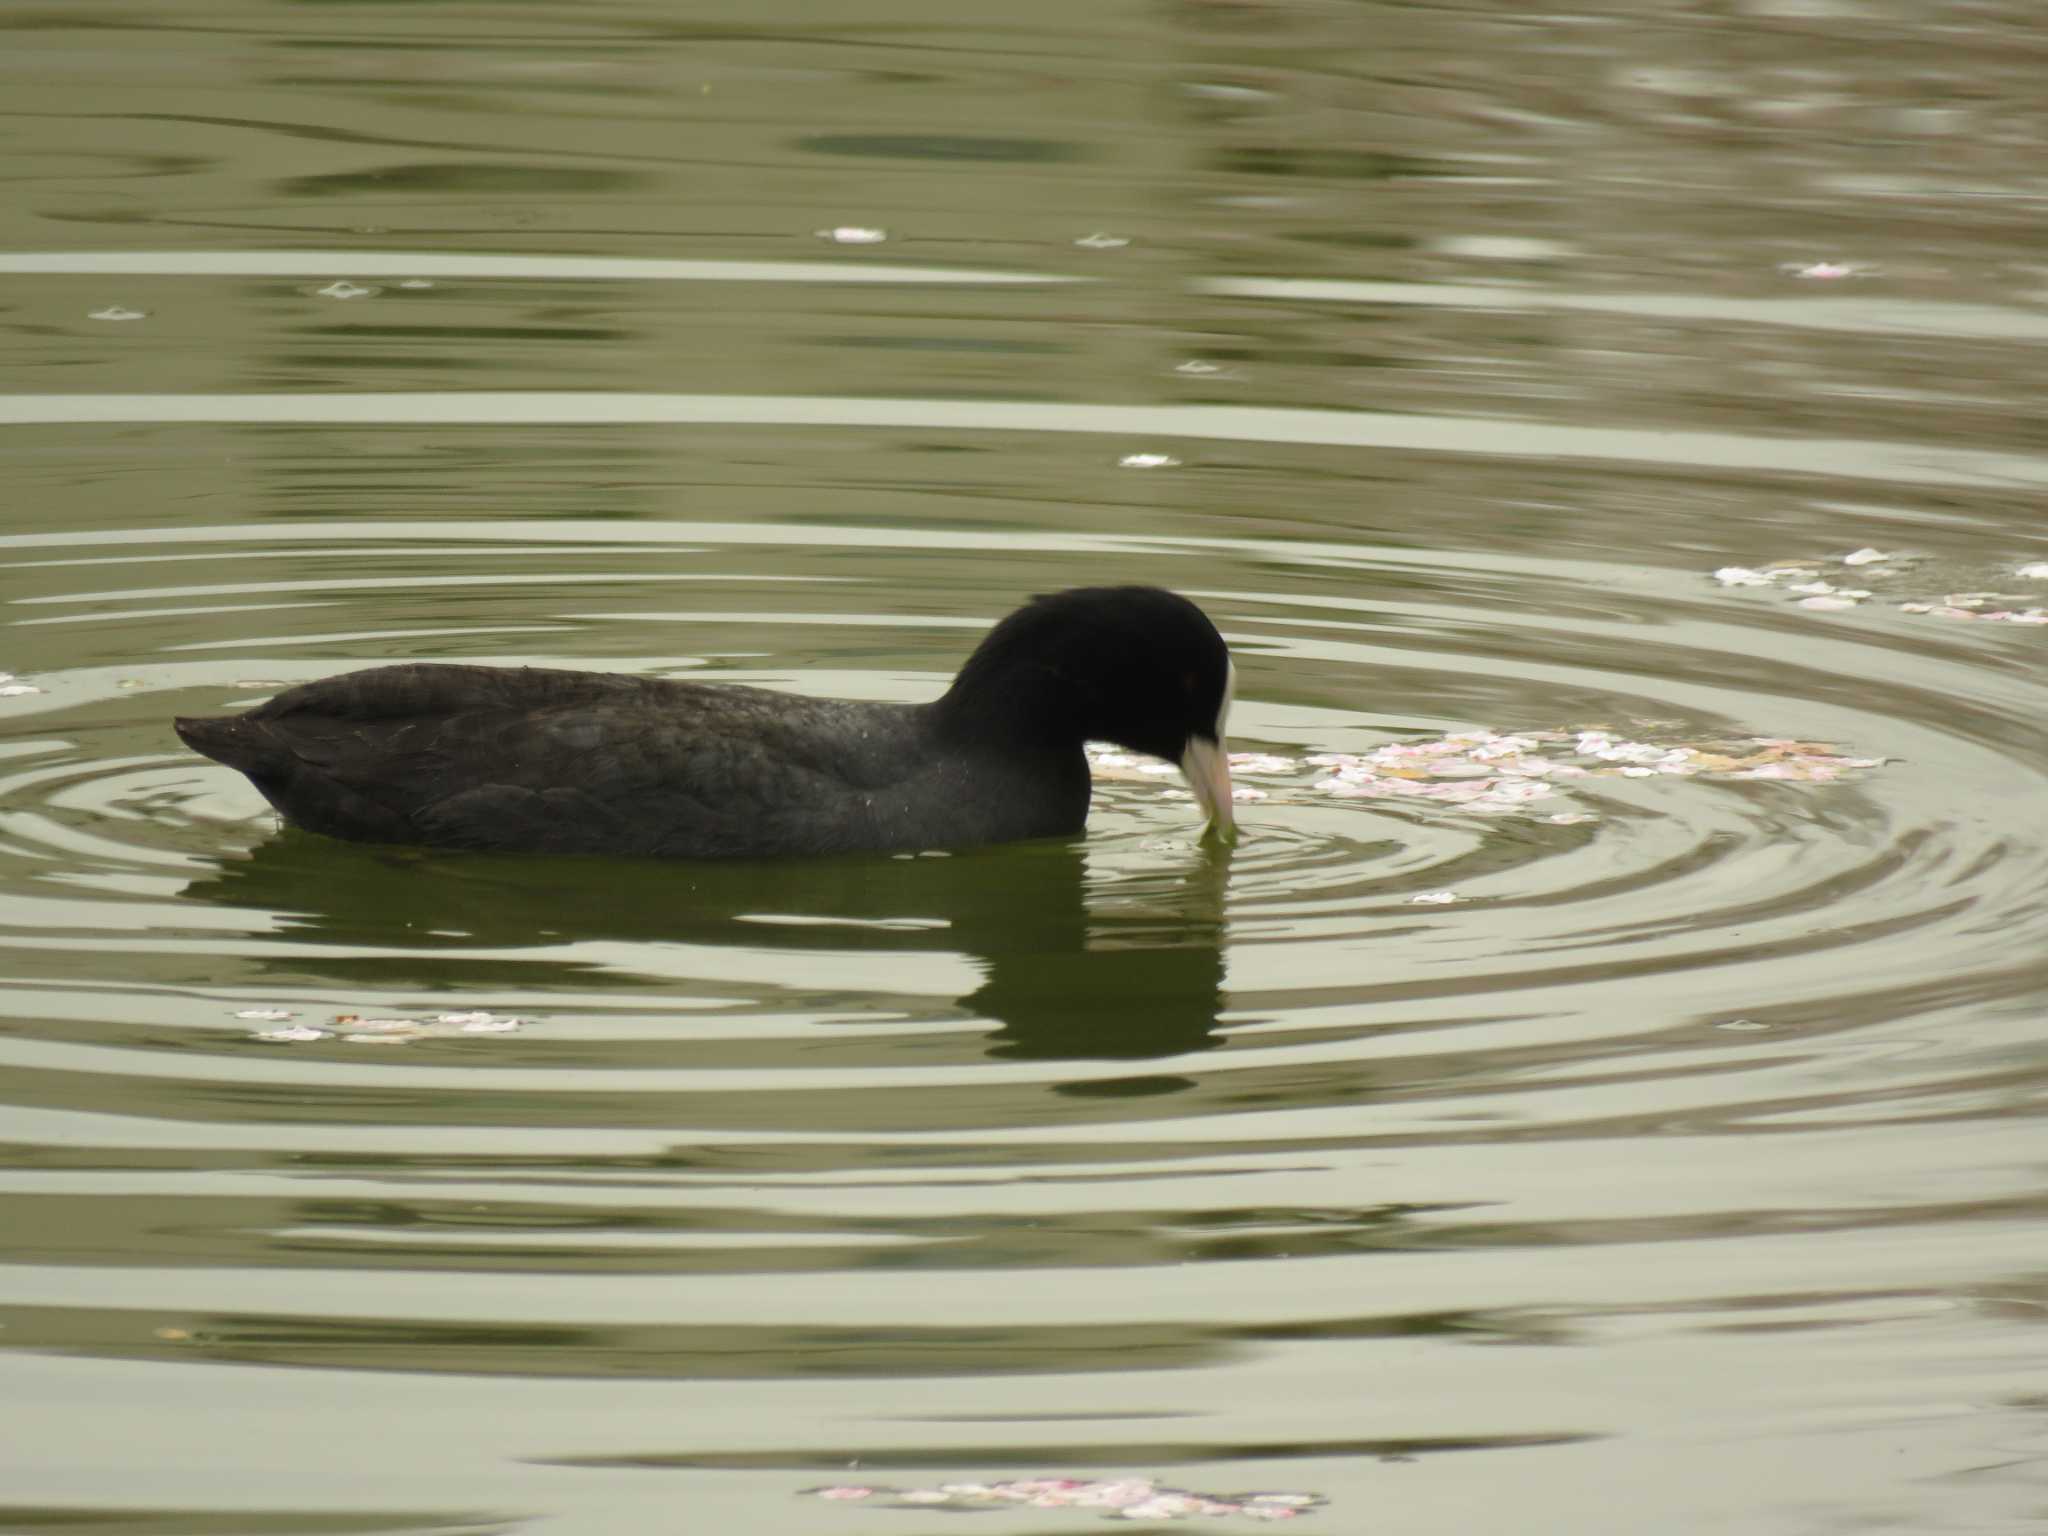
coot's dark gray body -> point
(543, 761)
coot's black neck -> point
(1018, 692)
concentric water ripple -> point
(932, 1140)
(1601, 1092)
(1650, 949)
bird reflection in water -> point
(1074, 966)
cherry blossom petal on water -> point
(1793, 576)
(1490, 773)
(1826, 271)
(1115, 1498)
(1741, 576)
(357, 1030)
(480, 1022)
(1815, 593)
(1979, 608)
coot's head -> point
(1138, 666)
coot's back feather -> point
(547, 761)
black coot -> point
(531, 760)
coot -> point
(534, 760)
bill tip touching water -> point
(537, 760)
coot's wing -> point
(567, 762)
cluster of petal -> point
(1123, 1498)
(1978, 605)
(357, 1030)
(1492, 772)
(1807, 581)
(1813, 590)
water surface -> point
(1658, 1152)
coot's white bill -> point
(1207, 766)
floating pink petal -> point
(1115, 1495)
(293, 1034)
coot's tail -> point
(229, 739)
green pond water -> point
(1601, 1092)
